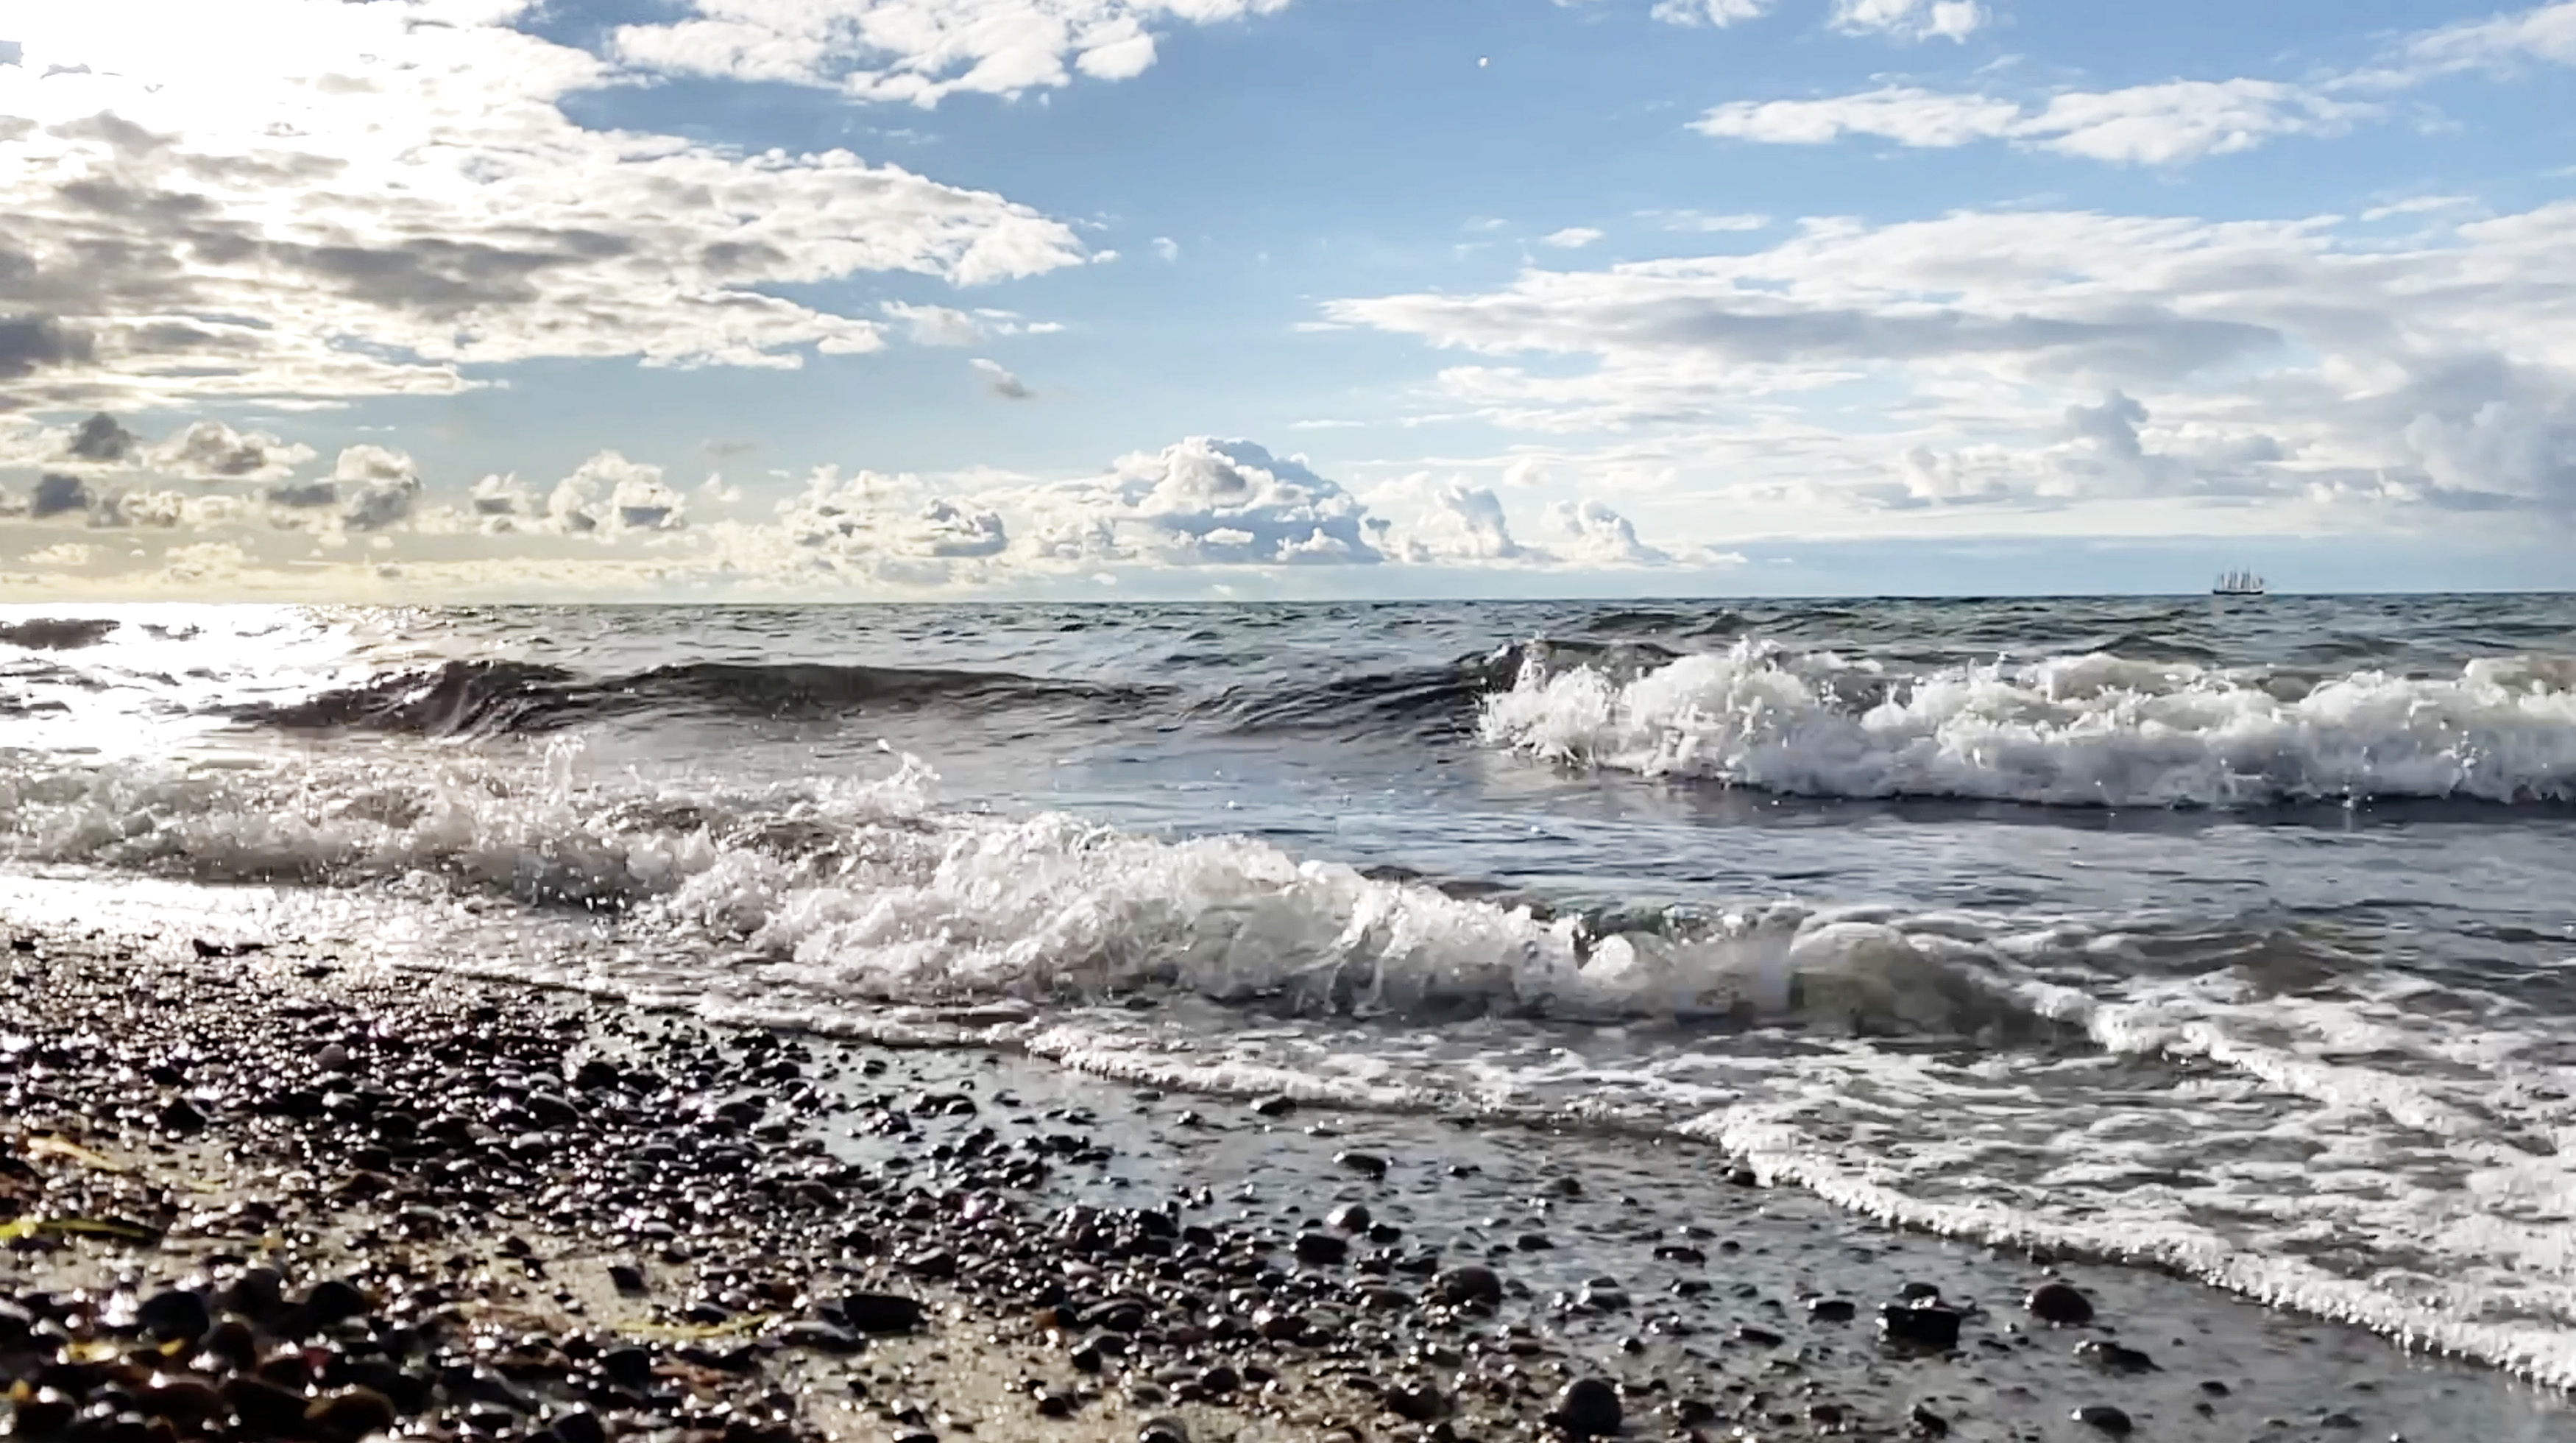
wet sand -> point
(287, 1193)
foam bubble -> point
(2096, 730)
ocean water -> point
(2232, 938)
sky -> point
(432, 300)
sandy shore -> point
(280, 1194)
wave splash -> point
(2089, 730)
(868, 891)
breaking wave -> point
(485, 698)
(867, 891)
(2091, 730)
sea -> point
(2229, 937)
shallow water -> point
(2238, 938)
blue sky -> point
(822, 298)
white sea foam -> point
(2083, 730)
(864, 889)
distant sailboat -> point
(2239, 583)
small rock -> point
(175, 1316)
(580, 1425)
(821, 1337)
(1414, 1402)
(264, 1410)
(1469, 1284)
(1367, 1164)
(627, 1367)
(629, 1281)
(1928, 1423)
(1163, 1430)
(1056, 1403)
(1321, 1248)
(1919, 1325)
(2113, 1357)
(1275, 1106)
(334, 1058)
(351, 1415)
(2059, 1303)
(1348, 1218)
(1832, 1310)
(182, 1116)
(1588, 1408)
(2104, 1417)
(1758, 1337)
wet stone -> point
(175, 1316)
(1321, 1248)
(2114, 1357)
(1922, 1324)
(1348, 1218)
(1588, 1408)
(2059, 1303)
(1367, 1164)
(1832, 1310)
(2105, 1419)
(1469, 1284)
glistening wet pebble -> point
(270, 1196)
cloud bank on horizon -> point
(912, 297)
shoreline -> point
(1088, 1256)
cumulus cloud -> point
(2294, 358)
(1914, 19)
(1710, 12)
(1596, 535)
(378, 487)
(1572, 238)
(948, 326)
(609, 496)
(919, 51)
(100, 439)
(209, 450)
(59, 494)
(375, 198)
(999, 380)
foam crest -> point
(864, 890)
(2090, 730)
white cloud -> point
(212, 451)
(609, 496)
(1710, 12)
(948, 326)
(64, 555)
(2146, 124)
(303, 201)
(2059, 357)
(1704, 223)
(2546, 32)
(1914, 19)
(999, 380)
(920, 51)
(1572, 238)
(1599, 536)
(1167, 248)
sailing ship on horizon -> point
(2239, 583)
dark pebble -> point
(629, 1281)
(1919, 1325)
(1275, 1106)
(175, 1316)
(1368, 1164)
(821, 1337)
(2059, 1303)
(1467, 1285)
(1414, 1402)
(1163, 1430)
(264, 1410)
(1055, 1403)
(578, 1426)
(1928, 1423)
(880, 1313)
(1321, 1248)
(1832, 1310)
(1588, 1408)
(351, 1415)
(2104, 1417)
(1348, 1218)
(182, 1116)
(2114, 1357)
